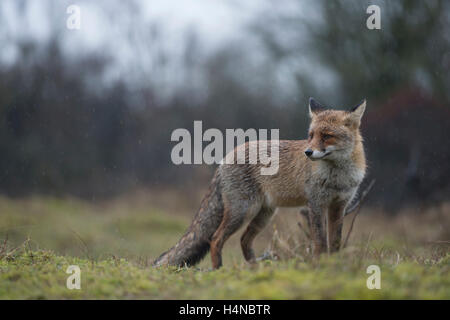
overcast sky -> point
(214, 21)
(120, 29)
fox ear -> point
(357, 112)
(314, 107)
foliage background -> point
(81, 116)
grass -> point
(113, 243)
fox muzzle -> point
(315, 154)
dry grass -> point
(116, 240)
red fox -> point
(323, 173)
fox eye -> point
(311, 135)
(327, 136)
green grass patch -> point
(114, 243)
(42, 275)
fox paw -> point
(267, 255)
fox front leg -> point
(334, 225)
(317, 230)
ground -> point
(114, 243)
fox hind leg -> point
(219, 237)
(256, 226)
(233, 219)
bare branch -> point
(356, 207)
(307, 235)
(357, 204)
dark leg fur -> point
(335, 222)
(256, 226)
(317, 231)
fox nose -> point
(308, 152)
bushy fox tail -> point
(195, 243)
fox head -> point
(333, 133)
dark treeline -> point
(62, 133)
(63, 130)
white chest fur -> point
(330, 182)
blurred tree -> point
(64, 129)
(412, 49)
(403, 70)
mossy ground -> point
(42, 275)
(114, 244)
